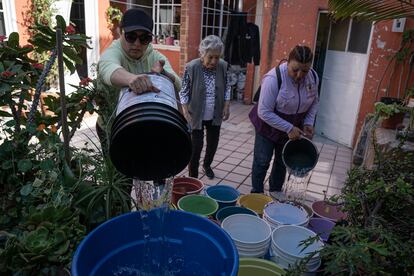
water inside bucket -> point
(302, 162)
(176, 267)
(116, 248)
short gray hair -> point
(211, 43)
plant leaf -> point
(24, 165)
(26, 189)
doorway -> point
(77, 17)
(341, 60)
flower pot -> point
(393, 121)
(169, 41)
(390, 100)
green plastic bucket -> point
(198, 204)
(258, 267)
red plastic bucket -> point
(328, 211)
(183, 186)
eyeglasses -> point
(144, 39)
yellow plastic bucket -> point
(258, 267)
(255, 202)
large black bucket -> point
(150, 139)
(300, 156)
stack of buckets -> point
(287, 249)
(277, 236)
(250, 234)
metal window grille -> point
(165, 13)
(2, 24)
(216, 16)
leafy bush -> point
(48, 202)
(377, 237)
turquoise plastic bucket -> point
(195, 246)
(223, 194)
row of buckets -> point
(259, 226)
(248, 238)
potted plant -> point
(113, 19)
(391, 114)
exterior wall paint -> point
(105, 34)
(173, 57)
(22, 6)
(296, 23)
(384, 44)
(190, 32)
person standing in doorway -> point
(205, 99)
(283, 113)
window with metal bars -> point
(216, 16)
(166, 15)
(2, 24)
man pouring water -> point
(125, 64)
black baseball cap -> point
(135, 20)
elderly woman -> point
(286, 110)
(205, 98)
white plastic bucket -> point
(165, 96)
(250, 234)
(285, 213)
(287, 250)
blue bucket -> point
(194, 245)
(223, 194)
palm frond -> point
(371, 10)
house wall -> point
(293, 22)
(105, 34)
(173, 57)
(384, 44)
(286, 23)
(22, 6)
(190, 32)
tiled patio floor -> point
(233, 160)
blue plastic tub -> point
(193, 246)
(223, 194)
(232, 210)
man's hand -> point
(158, 66)
(186, 114)
(141, 83)
(295, 133)
(309, 131)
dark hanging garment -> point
(253, 43)
(235, 49)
